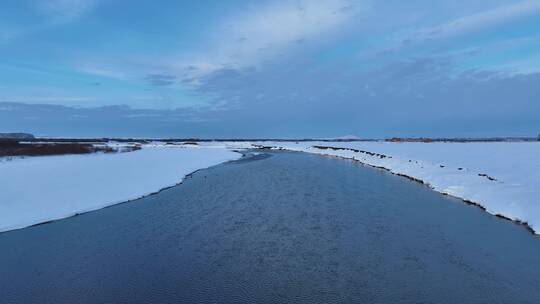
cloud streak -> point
(160, 79)
(259, 34)
(51, 14)
(475, 22)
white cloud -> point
(52, 13)
(476, 22)
(101, 71)
(262, 33)
(524, 66)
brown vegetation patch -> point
(15, 148)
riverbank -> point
(500, 177)
(10, 148)
(503, 178)
(44, 188)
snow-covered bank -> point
(39, 189)
(502, 177)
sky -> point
(270, 68)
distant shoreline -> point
(177, 140)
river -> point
(275, 228)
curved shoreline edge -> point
(38, 222)
(326, 151)
(329, 151)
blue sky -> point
(297, 68)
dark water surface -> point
(290, 228)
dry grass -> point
(14, 148)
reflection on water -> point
(292, 228)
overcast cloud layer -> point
(270, 68)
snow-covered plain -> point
(39, 189)
(503, 177)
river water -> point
(278, 228)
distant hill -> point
(16, 136)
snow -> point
(503, 177)
(39, 189)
